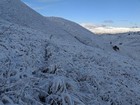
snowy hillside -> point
(52, 61)
(129, 43)
(16, 12)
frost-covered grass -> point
(65, 67)
(37, 71)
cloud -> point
(48, 1)
(99, 29)
(39, 5)
(44, 1)
(108, 21)
(124, 20)
(90, 25)
(34, 6)
(38, 8)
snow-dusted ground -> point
(60, 63)
(129, 43)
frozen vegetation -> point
(53, 61)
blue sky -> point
(121, 13)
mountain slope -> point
(127, 42)
(18, 13)
(41, 68)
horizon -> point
(115, 13)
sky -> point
(119, 13)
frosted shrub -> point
(61, 91)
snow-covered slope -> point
(17, 12)
(128, 43)
(66, 65)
